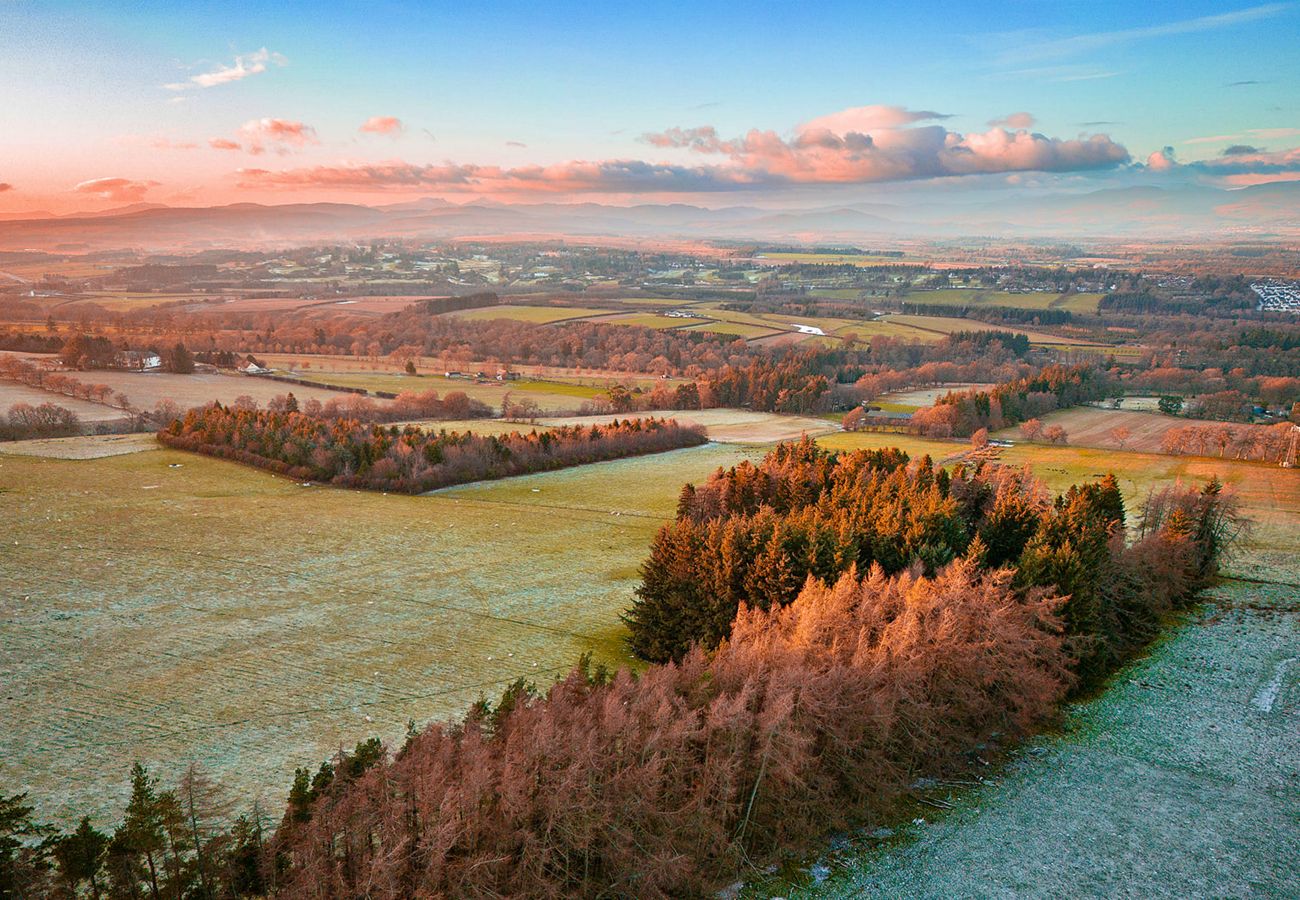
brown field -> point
(1090, 426)
(12, 392)
(146, 389)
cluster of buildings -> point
(1278, 296)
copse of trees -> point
(752, 535)
(407, 459)
(42, 421)
(962, 413)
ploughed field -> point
(169, 607)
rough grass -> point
(216, 613)
(945, 325)
(145, 389)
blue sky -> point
(82, 86)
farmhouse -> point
(138, 361)
(254, 369)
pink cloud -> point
(390, 125)
(1016, 120)
(824, 150)
(1162, 160)
(5, 186)
(224, 144)
(252, 64)
(278, 135)
(121, 189)
(864, 119)
(823, 155)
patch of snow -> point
(1267, 694)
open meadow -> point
(170, 607)
(537, 315)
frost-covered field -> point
(213, 612)
(1181, 780)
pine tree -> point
(81, 856)
(141, 832)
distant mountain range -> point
(1263, 211)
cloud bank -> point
(854, 146)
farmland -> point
(12, 392)
(538, 315)
(974, 297)
(220, 614)
(549, 395)
(146, 389)
(1091, 426)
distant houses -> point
(138, 361)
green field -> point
(538, 315)
(1081, 303)
(647, 320)
(550, 395)
(739, 329)
(219, 614)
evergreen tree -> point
(141, 833)
(81, 856)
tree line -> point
(407, 459)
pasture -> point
(169, 607)
(537, 315)
(549, 395)
(732, 426)
(912, 400)
(974, 297)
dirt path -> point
(1181, 780)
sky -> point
(108, 104)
